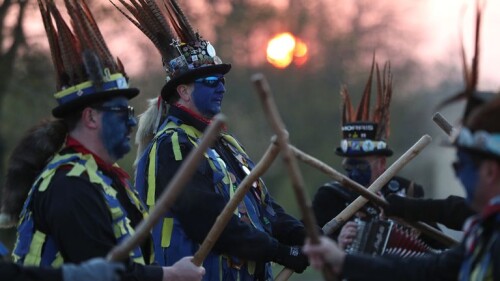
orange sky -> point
(437, 20)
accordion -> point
(378, 237)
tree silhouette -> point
(9, 52)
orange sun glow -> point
(284, 48)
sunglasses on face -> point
(211, 81)
(362, 165)
(125, 109)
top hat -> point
(185, 54)
(480, 133)
(86, 71)
(364, 134)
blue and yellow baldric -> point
(35, 248)
(170, 241)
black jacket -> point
(74, 211)
(14, 272)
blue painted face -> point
(208, 94)
(118, 121)
(358, 171)
(468, 173)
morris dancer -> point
(260, 231)
(364, 148)
(81, 204)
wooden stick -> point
(170, 193)
(226, 214)
(443, 123)
(380, 182)
(278, 126)
(379, 201)
(357, 204)
(334, 174)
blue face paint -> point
(468, 173)
(208, 95)
(117, 125)
(358, 171)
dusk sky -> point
(439, 23)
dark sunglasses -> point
(350, 165)
(211, 81)
(125, 109)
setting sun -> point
(284, 48)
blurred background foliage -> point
(341, 38)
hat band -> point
(480, 140)
(357, 146)
(116, 81)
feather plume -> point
(383, 108)
(80, 53)
(70, 49)
(144, 30)
(94, 67)
(363, 112)
(150, 20)
(88, 33)
(470, 75)
(380, 96)
(54, 47)
(348, 109)
(180, 22)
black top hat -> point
(481, 131)
(186, 56)
(362, 134)
(86, 71)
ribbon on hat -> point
(112, 82)
(479, 140)
(362, 145)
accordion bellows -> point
(383, 237)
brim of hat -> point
(63, 110)
(169, 89)
(381, 152)
(473, 151)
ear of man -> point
(184, 92)
(492, 170)
(89, 118)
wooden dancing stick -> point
(226, 214)
(170, 193)
(342, 179)
(388, 174)
(380, 201)
(278, 126)
(443, 123)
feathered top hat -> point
(481, 132)
(86, 71)
(365, 134)
(186, 56)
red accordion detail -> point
(382, 237)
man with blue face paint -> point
(117, 127)
(260, 231)
(364, 148)
(477, 258)
(80, 202)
